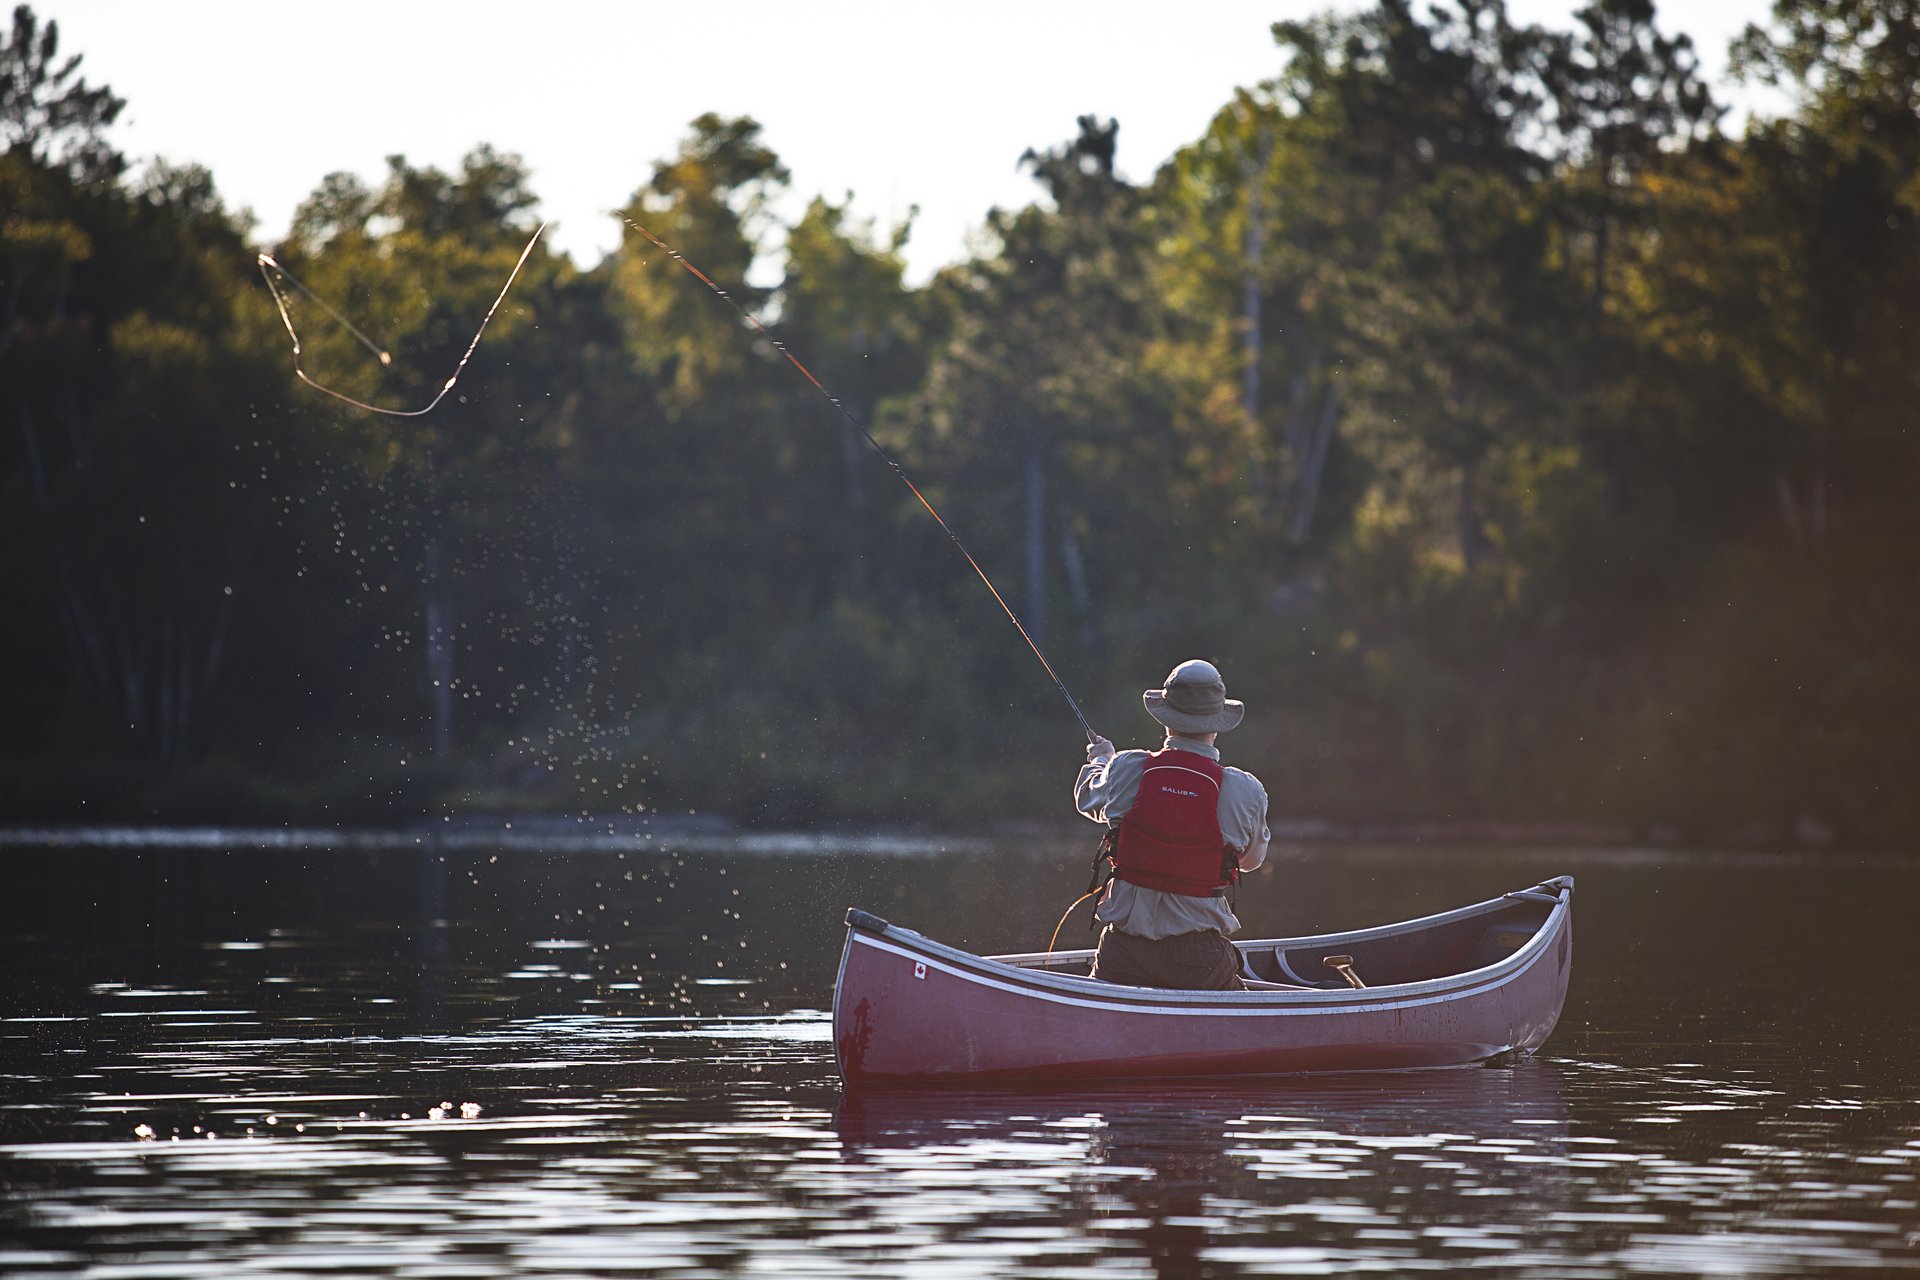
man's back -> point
(1106, 793)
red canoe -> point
(1447, 990)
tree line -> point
(1524, 443)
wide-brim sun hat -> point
(1194, 700)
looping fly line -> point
(268, 268)
(878, 448)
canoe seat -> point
(1268, 966)
(1291, 974)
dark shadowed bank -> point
(1528, 448)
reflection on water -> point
(480, 1063)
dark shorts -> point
(1203, 961)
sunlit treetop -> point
(47, 110)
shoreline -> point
(1294, 838)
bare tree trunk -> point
(135, 651)
(1308, 495)
(183, 700)
(133, 685)
(1036, 618)
(217, 638)
(1471, 544)
(42, 491)
(853, 454)
(439, 652)
(76, 620)
(1076, 567)
(1789, 508)
(1304, 357)
(87, 644)
(163, 699)
(18, 273)
(68, 403)
(1602, 234)
(1251, 334)
(1304, 354)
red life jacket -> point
(1170, 838)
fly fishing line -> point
(888, 458)
(270, 268)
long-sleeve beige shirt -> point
(1105, 790)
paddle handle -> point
(1343, 965)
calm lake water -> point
(598, 1062)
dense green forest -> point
(1524, 444)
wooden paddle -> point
(1343, 965)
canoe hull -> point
(908, 1008)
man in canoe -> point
(1182, 828)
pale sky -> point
(902, 103)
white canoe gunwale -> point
(1003, 1016)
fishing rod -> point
(899, 471)
(269, 267)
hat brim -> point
(1229, 714)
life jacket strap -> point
(1103, 870)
